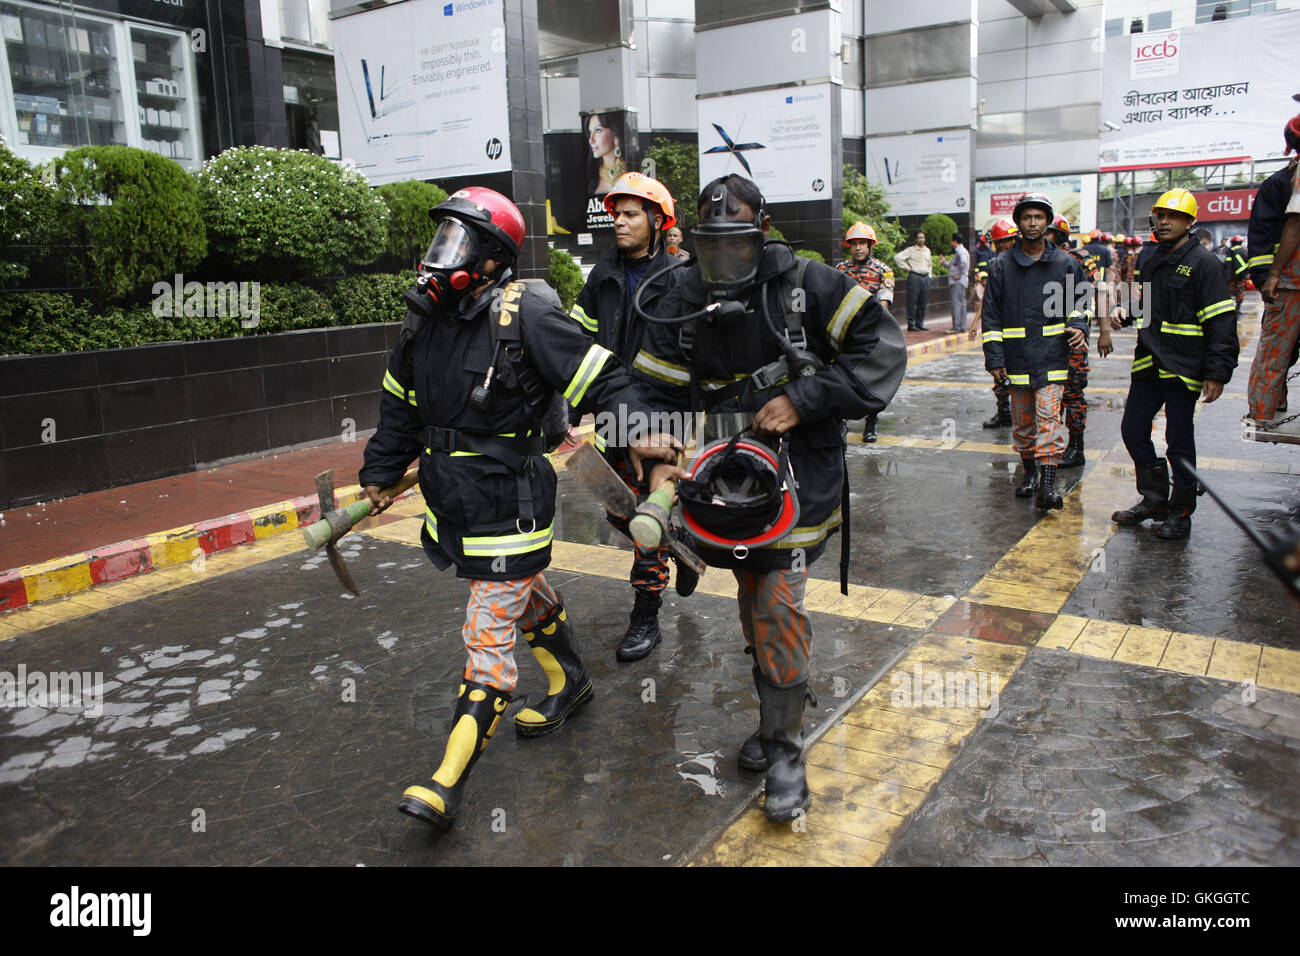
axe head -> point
(325, 494)
(590, 468)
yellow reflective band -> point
(1058, 374)
(802, 537)
(1264, 260)
(393, 386)
(431, 523)
(658, 368)
(1217, 308)
(1191, 383)
(495, 545)
(598, 440)
(1140, 363)
(410, 396)
(853, 300)
(1014, 333)
(578, 314)
(993, 336)
(588, 369)
(1018, 379)
(1058, 329)
(1182, 329)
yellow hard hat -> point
(1119, 237)
(1177, 200)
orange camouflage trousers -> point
(1075, 405)
(1036, 426)
(1279, 329)
(495, 609)
(777, 629)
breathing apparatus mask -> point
(453, 264)
(729, 252)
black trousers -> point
(1145, 396)
(918, 290)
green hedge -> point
(39, 323)
(136, 213)
(565, 277)
(289, 214)
(409, 227)
(27, 212)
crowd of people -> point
(778, 351)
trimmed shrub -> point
(289, 214)
(27, 212)
(810, 254)
(135, 212)
(939, 230)
(677, 166)
(566, 277)
(409, 227)
(288, 306)
(361, 299)
(36, 323)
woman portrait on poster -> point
(607, 162)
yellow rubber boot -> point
(552, 643)
(478, 711)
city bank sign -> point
(1232, 204)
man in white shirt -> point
(958, 270)
(915, 261)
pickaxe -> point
(648, 521)
(336, 522)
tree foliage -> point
(678, 167)
(865, 201)
(565, 277)
(409, 225)
(27, 212)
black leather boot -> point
(1182, 502)
(553, 644)
(643, 629)
(1002, 417)
(687, 579)
(751, 756)
(1153, 486)
(478, 711)
(781, 735)
(1073, 457)
(1026, 487)
(869, 429)
(1046, 497)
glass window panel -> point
(1001, 129)
(917, 55)
(164, 95)
(1115, 27)
(672, 48)
(64, 76)
(1160, 21)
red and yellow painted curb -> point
(59, 577)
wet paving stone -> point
(262, 718)
(1200, 789)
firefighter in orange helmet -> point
(874, 276)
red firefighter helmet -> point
(1004, 228)
(739, 496)
(1062, 225)
(489, 212)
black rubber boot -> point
(1073, 457)
(1046, 497)
(1026, 487)
(478, 711)
(869, 429)
(1182, 502)
(687, 579)
(1002, 417)
(642, 635)
(780, 732)
(1153, 486)
(751, 756)
(553, 644)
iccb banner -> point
(1214, 92)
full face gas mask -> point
(728, 252)
(453, 263)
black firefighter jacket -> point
(1188, 326)
(603, 311)
(1028, 306)
(1267, 217)
(475, 503)
(865, 356)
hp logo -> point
(494, 148)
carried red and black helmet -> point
(489, 212)
(740, 495)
